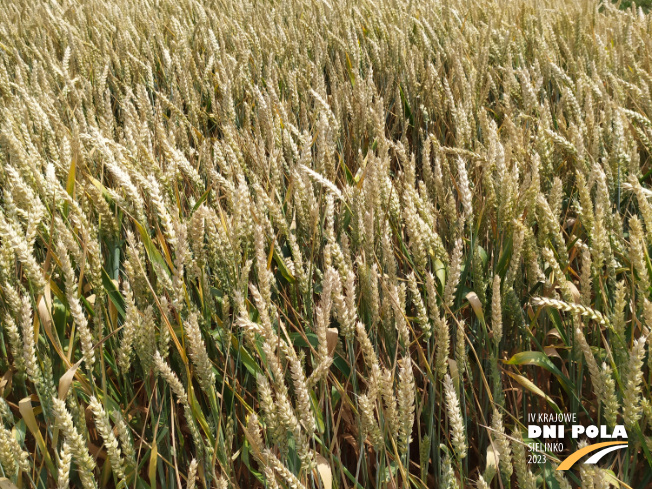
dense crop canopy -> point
(322, 243)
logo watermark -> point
(549, 432)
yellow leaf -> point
(575, 292)
(70, 183)
(44, 308)
(529, 385)
(331, 340)
(474, 300)
(325, 471)
(6, 381)
(491, 468)
(27, 412)
(6, 484)
(455, 373)
(66, 380)
(153, 459)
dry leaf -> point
(325, 472)
(331, 340)
(66, 380)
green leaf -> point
(335, 396)
(406, 105)
(113, 293)
(540, 359)
(246, 358)
(319, 416)
(201, 200)
(503, 261)
(299, 340)
(153, 254)
(282, 267)
(555, 317)
(347, 174)
(483, 255)
(198, 415)
(341, 364)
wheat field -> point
(322, 243)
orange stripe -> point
(574, 457)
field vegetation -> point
(322, 243)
